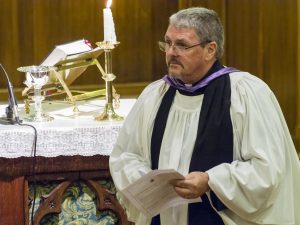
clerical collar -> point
(214, 72)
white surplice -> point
(261, 185)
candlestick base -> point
(109, 114)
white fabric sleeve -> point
(130, 158)
(256, 184)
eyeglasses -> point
(178, 47)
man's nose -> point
(172, 50)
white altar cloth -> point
(65, 135)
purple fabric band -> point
(193, 88)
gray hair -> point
(205, 22)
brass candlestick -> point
(108, 113)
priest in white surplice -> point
(221, 128)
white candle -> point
(109, 27)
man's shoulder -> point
(154, 88)
(246, 80)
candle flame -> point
(108, 4)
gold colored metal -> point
(88, 95)
(70, 68)
(61, 81)
(77, 61)
(66, 71)
(27, 106)
(108, 76)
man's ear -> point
(211, 50)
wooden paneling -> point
(160, 18)
(243, 36)
(12, 201)
(9, 35)
(260, 37)
(280, 55)
(297, 32)
(135, 48)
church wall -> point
(261, 37)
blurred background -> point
(261, 37)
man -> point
(221, 128)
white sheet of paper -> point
(153, 192)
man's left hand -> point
(194, 185)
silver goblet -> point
(37, 76)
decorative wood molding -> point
(107, 201)
(47, 167)
(68, 170)
(51, 203)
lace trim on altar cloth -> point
(51, 143)
(65, 135)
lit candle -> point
(109, 27)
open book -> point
(64, 50)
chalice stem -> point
(38, 102)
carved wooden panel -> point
(15, 174)
(106, 200)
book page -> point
(61, 51)
(154, 192)
(75, 47)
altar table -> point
(69, 148)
